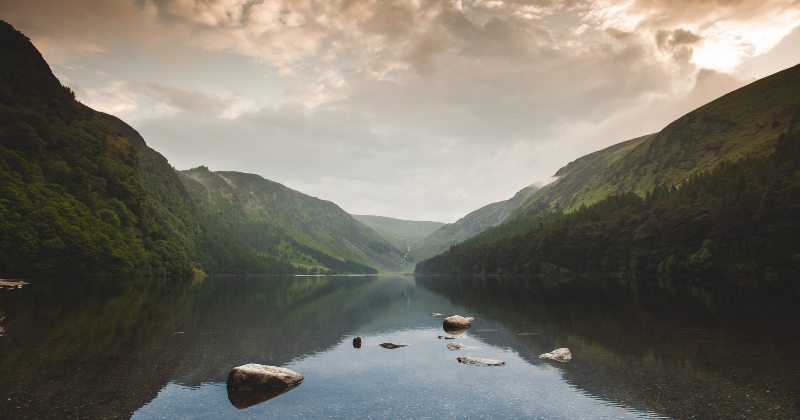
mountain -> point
(573, 178)
(283, 223)
(745, 122)
(404, 235)
(470, 225)
(716, 191)
(71, 202)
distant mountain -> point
(405, 235)
(718, 190)
(470, 225)
(573, 178)
(71, 201)
(295, 228)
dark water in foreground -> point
(162, 348)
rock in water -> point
(245, 399)
(476, 361)
(436, 314)
(446, 337)
(456, 324)
(254, 377)
(459, 346)
(393, 345)
(560, 355)
(357, 342)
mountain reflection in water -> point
(162, 348)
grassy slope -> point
(746, 121)
(470, 225)
(400, 233)
(250, 200)
(573, 178)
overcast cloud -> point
(421, 110)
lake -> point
(157, 348)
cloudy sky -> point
(420, 110)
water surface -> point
(162, 348)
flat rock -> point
(393, 345)
(559, 355)
(436, 314)
(459, 346)
(253, 377)
(477, 361)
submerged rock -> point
(259, 377)
(393, 345)
(446, 337)
(456, 324)
(477, 361)
(459, 346)
(357, 342)
(560, 355)
(245, 399)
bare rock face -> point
(259, 377)
(476, 361)
(357, 342)
(456, 324)
(559, 355)
(459, 346)
(393, 345)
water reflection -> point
(162, 348)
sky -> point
(413, 109)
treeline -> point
(70, 198)
(741, 216)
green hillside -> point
(573, 178)
(209, 242)
(405, 235)
(71, 202)
(745, 122)
(715, 191)
(470, 225)
(295, 228)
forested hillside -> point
(470, 225)
(295, 228)
(71, 202)
(211, 246)
(715, 191)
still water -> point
(162, 348)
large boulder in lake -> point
(456, 324)
(477, 361)
(259, 377)
(559, 355)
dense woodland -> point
(741, 216)
(70, 197)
